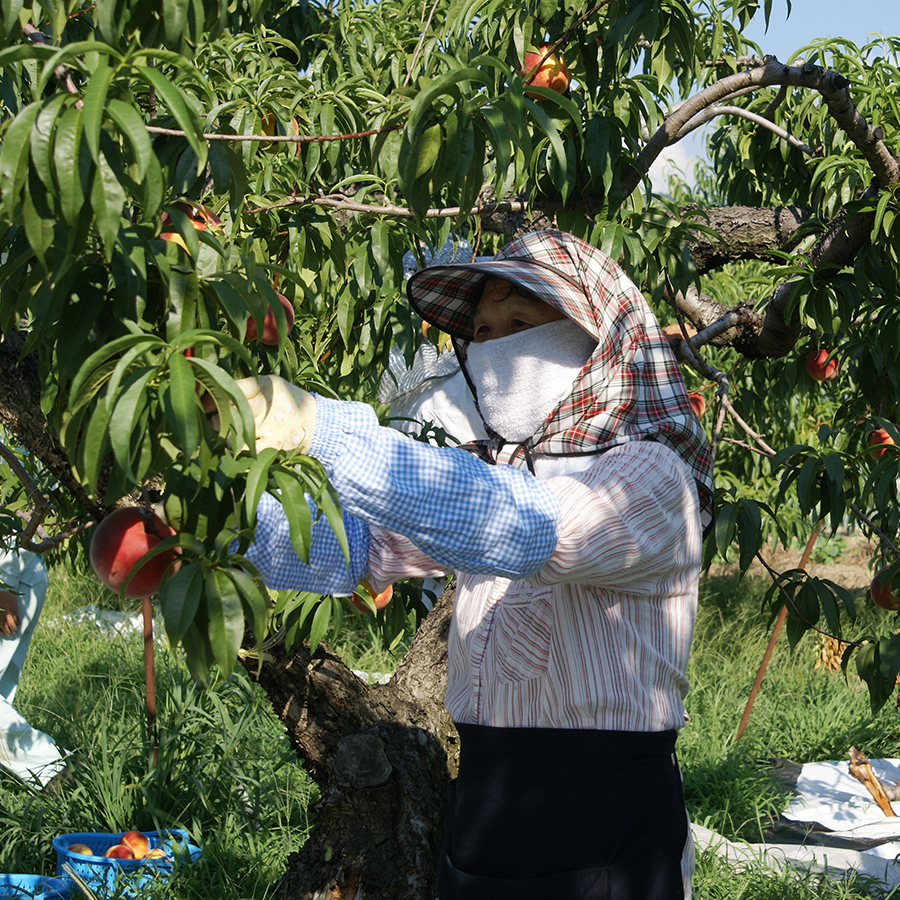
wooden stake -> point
(149, 679)
(770, 647)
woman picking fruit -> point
(574, 533)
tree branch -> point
(713, 111)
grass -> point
(229, 777)
(801, 713)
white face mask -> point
(520, 379)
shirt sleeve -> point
(630, 525)
(328, 572)
(465, 515)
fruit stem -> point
(149, 679)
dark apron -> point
(563, 814)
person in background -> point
(26, 752)
(574, 533)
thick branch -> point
(21, 416)
(747, 233)
(833, 87)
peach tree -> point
(169, 167)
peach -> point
(882, 591)
(380, 599)
(201, 218)
(552, 73)
(270, 327)
(81, 848)
(137, 842)
(698, 403)
(877, 437)
(819, 367)
(120, 540)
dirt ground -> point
(848, 568)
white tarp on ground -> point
(827, 795)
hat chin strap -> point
(521, 379)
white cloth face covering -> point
(521, 378)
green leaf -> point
(93, 447)
(179, 598)
(226, 618)
(428, 149)
(187, 118)
(327, 501)
(39, 222)
(14, 156)
(197, 650)
(750, 536)
(95, 107)
(296, 508)
(124, 437)
(73, 165)
(878, 664)
(320, 623)
(806, 483)
(175, 20)
(228, 399)
(71, 55)
(42, 140)
(558, 172)
(255, 599)
(725, 525)
(439, 86)
(107, 201)
(257, 478)
(9, 15)
(182, 410)
(129, 122)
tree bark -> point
(21, 415)
(382, 756)
(746, 233)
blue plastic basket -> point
(125, 876)
(38, 887)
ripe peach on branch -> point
(120, 541)
(698, 403)
(269, 127)
(379, 599)
(270, 325)
(546, 73)
(882, 590)
(199, 216)
(879, 440)
(819, 367)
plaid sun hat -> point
(630, 389)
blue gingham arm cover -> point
(466, 515)
(327, 573)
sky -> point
(809, 19)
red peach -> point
(270, 327)
(819, 367)
(552, 74)
(119, 541)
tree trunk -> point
(382, 756)
(22, 417)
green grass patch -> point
(228, 775)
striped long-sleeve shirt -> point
(576, 594)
